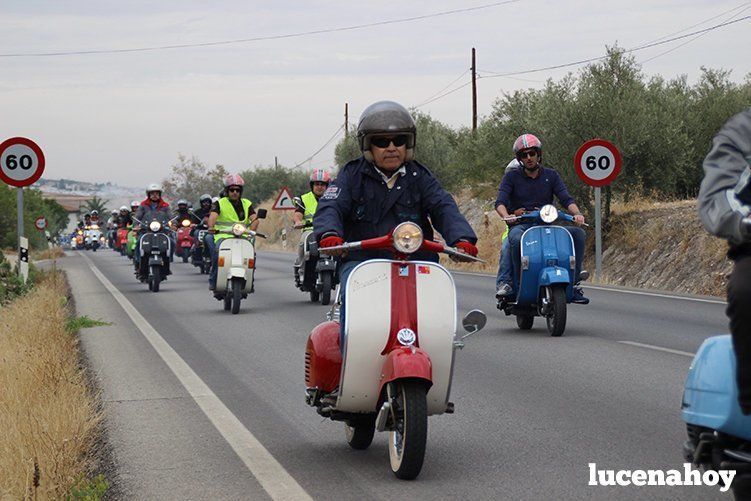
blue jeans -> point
(214, 251)
(504, 266)
(344, 270)
(515, 236)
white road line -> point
(272, 476)
(658, 348)
(611, 289)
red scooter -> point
(396, 365)
(184, 240)
(121, 239)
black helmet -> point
(386, 117)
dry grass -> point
(48, 417)
(51, 253)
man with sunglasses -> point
(385, 187)
(528, 189)
(227, 211)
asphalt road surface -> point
(531, 411)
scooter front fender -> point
(554, 275)
(236, 272)
(407, 362)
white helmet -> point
(153, 187)
(513, 164)
(135, 203)
(124, 208)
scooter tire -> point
(185, 258)
(360, 432)
(525, 322)
(227, 300)
(556, 320)
(314, 294)
(326, 280)
(155, 278)
(407, 441)
(237, 295)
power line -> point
(693, 39)
(635, 49)
(427, 99)
(443, 95)
(334, 136)
(261, 38)
(701, 22)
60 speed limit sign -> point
(21, 162)
(597, 162)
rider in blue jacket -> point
(385, 187)
(526, 189)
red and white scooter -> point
(396, 365)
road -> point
(531, 411)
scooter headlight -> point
(238, 229)
(94, 226)
(155, 226)
(407, 238)
(548, 214)
(186, 223)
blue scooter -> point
(719, 435)
(548, 262)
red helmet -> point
(525, 142)
(233, 180)
(320, 175)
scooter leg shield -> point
(407, 362)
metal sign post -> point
(21, 164)
(597, 163)
(598, 234)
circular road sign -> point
(21, 162)
(40, 223)
(597, 162)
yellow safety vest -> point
(228, 216)
(310, 202)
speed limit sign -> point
(597, 162)
(40, 223)
(21, 162)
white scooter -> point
(397, 362)
(236, 264)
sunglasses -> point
(528, 153)
(384, 142)
(234, 190)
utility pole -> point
(474, 92)
(276, 162)
(346, 120)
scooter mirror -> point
(298, 202)
(474, 321)
(261, 214)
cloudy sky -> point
(124, 117)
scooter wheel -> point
(557, 318)
(360, 432)
(407, 440)
(326, 279)
(525, 322)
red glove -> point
(331, 241)
(467, 248)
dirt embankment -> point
(664, 246)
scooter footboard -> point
(373, 310)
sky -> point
(125, 117)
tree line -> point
(34, 205)
(663, 129)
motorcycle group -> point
(383, 359)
